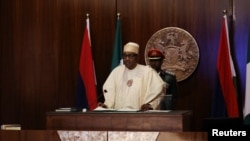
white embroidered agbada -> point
(129, 89)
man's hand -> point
(100, 104)
(146, 107)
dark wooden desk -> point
(120, 121)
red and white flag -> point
(226, 72)
(87, 72)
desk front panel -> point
(120, 121)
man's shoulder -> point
(168, 77)
(144, 67)
(170, 73)
(118, 69)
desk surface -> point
(120, 121)
(153, 112)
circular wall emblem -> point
(179, 48)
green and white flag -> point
(247, 94)
(117, 51)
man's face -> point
(156, 64)
(130, 60)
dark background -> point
(40, 43)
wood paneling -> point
(40, 43)
(40, 48)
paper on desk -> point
(103, 109)
(128, 110)
(163, 111)
(118, 110)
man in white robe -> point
(132, 85)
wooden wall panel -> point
(40, 49)
(241, 42)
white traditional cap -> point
(131, 47)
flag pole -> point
(118, 15)
(224, 12)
